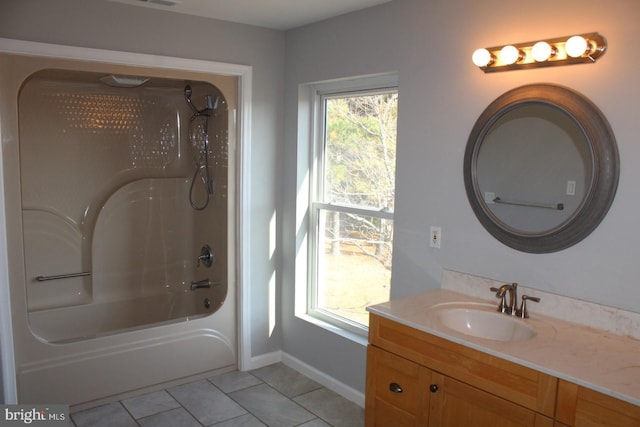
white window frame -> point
(311, 139)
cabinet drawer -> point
(395, 390)
(521, 385)
(579, 406)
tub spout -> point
(200, 284)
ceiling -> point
(275, 14)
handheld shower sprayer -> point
(187, 97)
(199, 138)
(210, 108)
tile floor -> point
(275, 395)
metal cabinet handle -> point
(395, 388)
(433, 388)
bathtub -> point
(104, 244)
(88, 321)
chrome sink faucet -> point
(512, 307)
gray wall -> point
(115, 26)
(440, 97)
(1, 378)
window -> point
(351, 199)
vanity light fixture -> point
(510, 55)
(577, 49)
(542, 51)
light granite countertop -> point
(591, 357)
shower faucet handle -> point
(200, 284)
(206, 256)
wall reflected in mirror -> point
(533, 168)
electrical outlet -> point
(435, 237)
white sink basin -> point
(481, 321)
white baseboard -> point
(320, 377)
(262, 360)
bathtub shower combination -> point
(125, 199)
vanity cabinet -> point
(403, 393)
(396, 390)
(579, 406)
(418, 379)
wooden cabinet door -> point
(396, 393)
(519, 384)
(453, 403)
(581, 407)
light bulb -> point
(481, 57)
(509, 55)
(576, 46)
(542, 51)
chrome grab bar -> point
(557, 206)
(62, 276)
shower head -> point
(211, 104)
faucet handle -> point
(523, 313)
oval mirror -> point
(541, 168)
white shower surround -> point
(244, 74)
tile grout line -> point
(272, 387)
(236, 402)
(263, 382)
(183, 407)
(257, 385)
(307, 409)
(121, 403)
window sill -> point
(351, 336)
